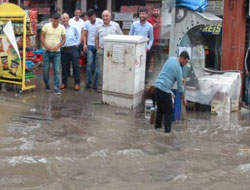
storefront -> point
(3, 1)
(44, 8)
(17, 36)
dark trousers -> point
(70, 54)
(80, 49)
(164, 109)
(148, 60)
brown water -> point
(74, 143)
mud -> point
(73, 143)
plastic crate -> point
(29, 64)
(148, 106)
(29, 75)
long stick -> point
(185, 117)
(185, 110)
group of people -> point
(64, 42)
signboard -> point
(10, 59)
(123, 16)
(118, 54)
(215, 6)
(213, 29)
(43, 10)
(126, 25)
(129, 9)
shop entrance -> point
(13, 1)
(69, 7)
(98, 5)
(209, 37)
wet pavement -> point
(73, 142)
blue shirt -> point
(91, 28)
(72, 36)
(137, 29)
(170, 72)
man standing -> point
(69, 52)
(155, 20)
(108, 27)
(143, 28)
(78, 23)
(90, 48)
(84, 17)
(171, 72)
(52, 38)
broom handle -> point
(185, 117)
(185, 110)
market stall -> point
(13, 44)
(199, 33)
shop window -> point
(98, 5)
(13, 1)
(69, 7)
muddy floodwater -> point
(73, 142)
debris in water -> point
(97, 103)
(33, 110)
(244, 168)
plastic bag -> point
(195, 5)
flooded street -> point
(73, 142)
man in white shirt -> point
(77, 22)
(89, 47)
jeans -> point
(100, 55)
(53, 57)
(92, 64)
(70, 54)
(164, 109)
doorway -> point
(98, 6)
(69, 7)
